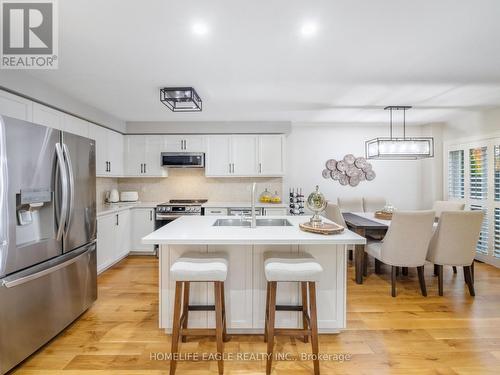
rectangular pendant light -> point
(400, 148)
(397, 148)
(181, 99)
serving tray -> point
(324, 228)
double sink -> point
(246, 223)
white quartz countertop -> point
(199, 230)
(110, 208)
(242, 204)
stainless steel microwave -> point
(183, 159)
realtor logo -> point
(29, 34)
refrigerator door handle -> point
(10, 283)
(71, 180)
(64, 184)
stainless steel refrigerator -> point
(48, 266)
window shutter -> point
(482, 243)
(456, 174)
(497, 173)
(478, 164)
(496, 252)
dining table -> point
(364, 223)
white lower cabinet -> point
(215, 211)
(143, 223)
(105, 242)
(113, 238)
(237, 287)
(246, 285)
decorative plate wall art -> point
(349, 171)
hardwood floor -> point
(409, 334)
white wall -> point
(23, 83)
(473, 125)
(403, 183)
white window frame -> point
(490, 204)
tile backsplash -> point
(104, 184)
(192, 183)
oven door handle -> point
(166, 217)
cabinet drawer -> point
(216, 211)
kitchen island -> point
(246, 283)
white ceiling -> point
(253, 63)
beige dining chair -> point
(373, 204)
(444, 206)
(405, 244)
(332, 212)
(454, 244)
(350, 204)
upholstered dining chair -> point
(454, 243)
(332, 212)
(372, 204)
(405, 244)
(350, 204)
(444, 206)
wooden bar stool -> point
(284, 267)
(198, 267)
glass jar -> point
(265, 197)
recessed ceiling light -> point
(199, 28)
(308, 29)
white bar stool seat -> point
(200, 267)
(291, 267)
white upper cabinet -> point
(109, 151)
(134, 154)
(15, 106)
(47, 116)
(271, 155)
(218, 156)
(155, 145)
(184, 143)
(115, 153)
(75, 125)
(244, 155)
(143, 156)
(98, 133)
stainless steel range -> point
(175, 208)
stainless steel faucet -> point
(254, 219)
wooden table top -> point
(359, 222)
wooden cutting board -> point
(325, 228)
(383, 215)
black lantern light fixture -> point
(397, 148)
(181, 99)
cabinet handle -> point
(117, 220)
(233, 167)
(106, 169)
(144, 167)
(229, 167)
(150, 215)
(260, 167)
(109, 166)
